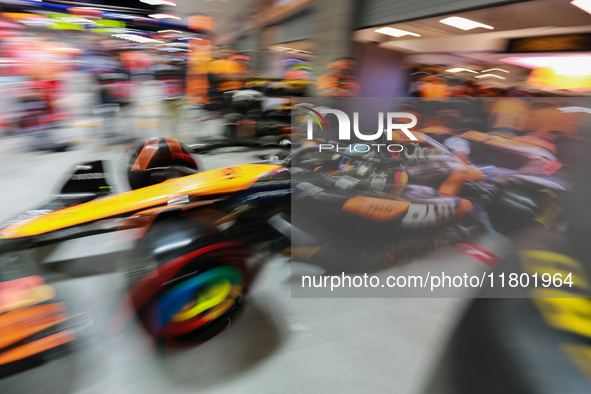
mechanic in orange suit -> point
(227, 73)
(224, 75)
(340, 80)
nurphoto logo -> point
(344, 128)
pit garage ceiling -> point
(224, 12)
(526, 19)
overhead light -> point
(489, 76)
(585, 5)
(159, 2)
(75, 20)
(390, 31)
(572, 110)
(495, 69)
(164, 16)
(136, 38)
(565, 64)
(459, 69)
(65, 49)
(33, 22)
(170, 31)
(463, 23)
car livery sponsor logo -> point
(424, 153)
(422, 215)
(308, 189)
(273, 183)
(178, 199)
(376, 209)
(378, 181)
(478, 252)
(92, 175)
(267, 195)
(80, 230)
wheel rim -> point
(196, 301)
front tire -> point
(193, 293)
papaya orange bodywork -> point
(461, 174)
(20, 324)
(463, 209)
(376, 209)
(220, 181)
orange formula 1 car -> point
(200, 237)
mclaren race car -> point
(201, 237)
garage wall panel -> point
(248, 42)
(296, 28)
(382, 12)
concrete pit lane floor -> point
(281, 345)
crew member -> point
(340, 80)
(224, 75)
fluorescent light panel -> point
(75, 20)
(585, 5)
(463, 23)
(459, 69)
(571, 110)
(159, 2)
(164, 16)
(390, 31)
(136, 38)
(489, 76)
(565, 64)
(495, 69)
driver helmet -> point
(157, 160)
